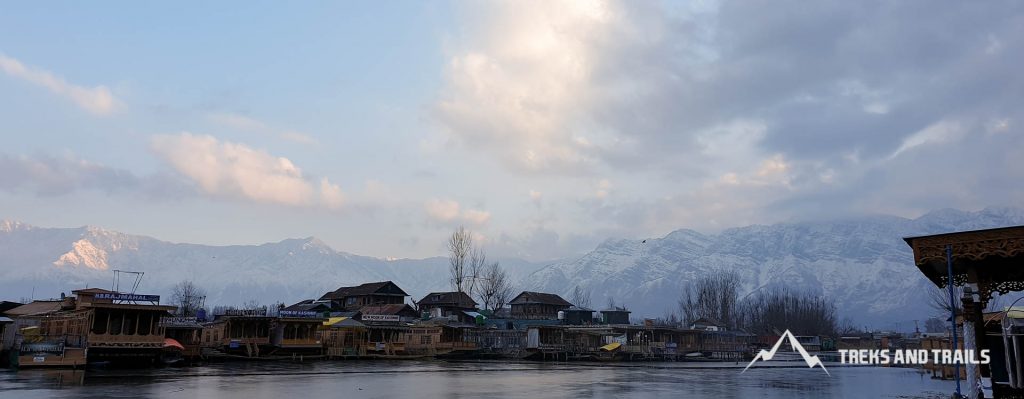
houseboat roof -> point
(166, 308)
(614, 310)
(457, 298)
(35, 308)
(93, 291)
(996, 251)
(343, 322)
(708, 321)
(378, 288)
(308, 305)
(530, 297)
(390, 309)
(7, 305)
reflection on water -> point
(415, 379)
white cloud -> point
(330, 194)
(97, 100)
(245, 123)
(233, 170)
(448, 211)
(520, 91)
(939, 132)
(442, 210)
(476, 217)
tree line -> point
(768, 310)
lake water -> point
(439, 379)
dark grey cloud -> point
(827, 78)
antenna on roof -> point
(116, 284)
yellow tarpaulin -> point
(332, 320)
(610, 347)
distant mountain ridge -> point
(48, 261)
(860, 262)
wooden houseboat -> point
(183, 339)
(239, 332)
(387, 327)
(456, 305)
(537, 306)
(350, 299)
(295, 332)
(442, 338)
(96, 325)
(343, 337)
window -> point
(426, 340)
(145, 323)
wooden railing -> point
(300, 342)
(123, 340)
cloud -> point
(97, 100)
(517, 93)
(46, 175)
(245, 123)
(717, 114)
(233, 170)
(449, 211)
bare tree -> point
(779, 309)
(935, 325)
(938, 300)
(460, 247)
(188, 297)
(477, 264)
(581, 297)
(846, 327)
(711, 296)
(494, 287)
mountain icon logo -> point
(811, 360)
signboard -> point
(298, 313)
(53, 347)
(39, 359)
(178, 321)
(246, 312)
(128, 297)
(381, 317)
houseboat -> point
(94, 326)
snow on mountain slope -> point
(48, 261)
(862, 263)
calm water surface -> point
(437, 379)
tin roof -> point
(457, 298)
(379, 288)
(390, 309)
(35, 308)
(530, 297)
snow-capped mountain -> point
(862, 263)
(43, 262)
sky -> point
(545, 127)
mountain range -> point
(860, 262)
